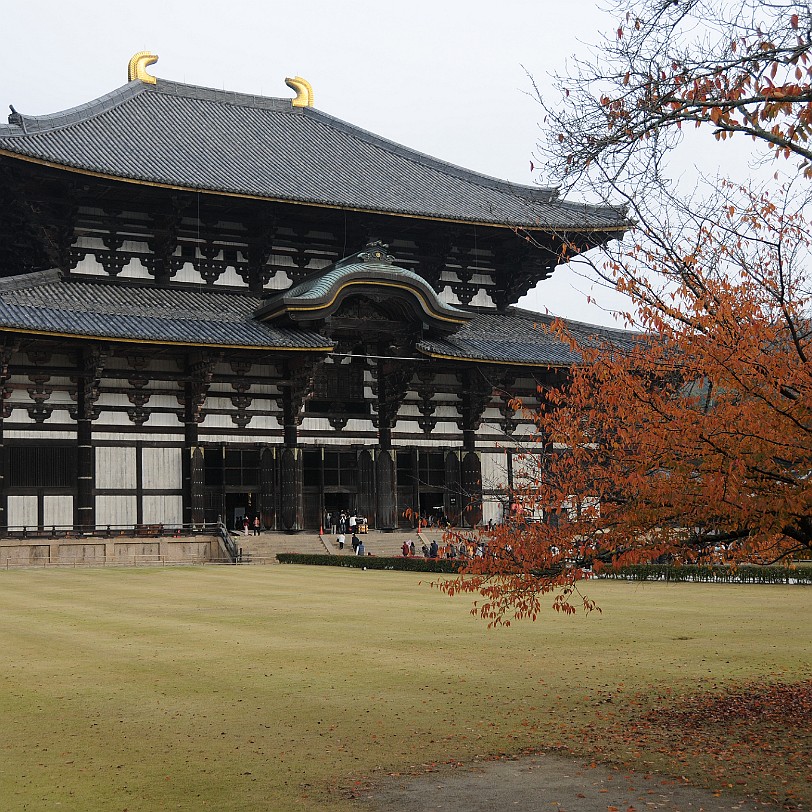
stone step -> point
(264, 548)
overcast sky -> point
(445, 76)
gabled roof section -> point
(370, 272)
(522, 337)
(45, 304)
(186, 137)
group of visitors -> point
(357, 545)
(464, 549)
(248, 523)
(344, 522)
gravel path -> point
(548, 783)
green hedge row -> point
(370, 562)
(801, 574)
(719, 573)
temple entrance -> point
(330, 485)
(432, 507)
(237, 506)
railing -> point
(109, 531)
(228, 542)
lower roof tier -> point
(49, 305)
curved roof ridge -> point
(191, 138)
(64, 118)
(82, 112)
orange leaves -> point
(692, 442)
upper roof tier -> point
(185, 137)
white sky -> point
(445, 78)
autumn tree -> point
(693, 437)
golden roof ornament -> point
(137, 67)
(304, 90)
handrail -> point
(142, 530)
(228, 542)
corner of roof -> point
(21, 124)
(30, 280)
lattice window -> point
(46, 466)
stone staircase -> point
(264, 548)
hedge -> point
(371, 562)
(744, 574)
(717, 573)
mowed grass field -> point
(282, 687)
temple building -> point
(214, 304)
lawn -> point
(281, 687)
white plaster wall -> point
(316, 424)
(57, 511)
(482, 299)
(217, 421)
(163, 420)
(108, 418)
(188, 273)
(279, 281)
(114, 510)
(89, 266)
(115, 467)
(491, 510)
(231, 278)
(23, 434)
(526, 467)
(132, 436)
(161, 468)
(447, 296)
(134, 269)
(113, 399)
(164, 401)
(166, 510)
(22, 511)
(494, 470)
(265, 421)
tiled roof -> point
(198, 138)
(371, 267)
(521, 337)
(45, 303)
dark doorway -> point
(431, 506)
(237, 506)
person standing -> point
(257, 526)
(245, 525)
(405, 549)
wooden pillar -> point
(392, 382)
(387, 488)
(85, 501)
(199, 372)
(5, 375)
(266, 488)
(90, 369)
(366, 486)
(290, 462)
(197, 480)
